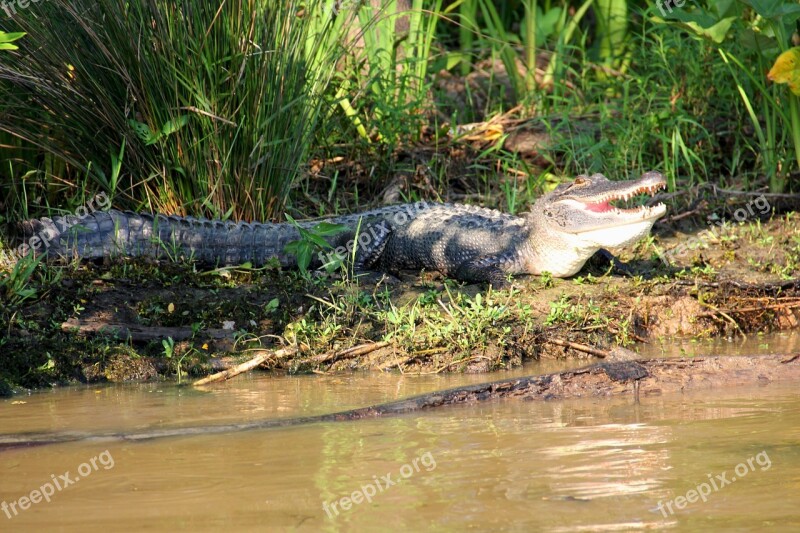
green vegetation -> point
(311, 241)
(17, 281)
(282, 110)
(753, 33)
(7, 40)
(214, 111)
(169, 108)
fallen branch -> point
(717, 311)
(585, 348)
(387, 365)
(262, 356)
(751, 309)
(354, 351)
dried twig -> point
(194, 109)
(354, 351)
(580, 347)
(726, 316)
(262, 356)
(751, 309)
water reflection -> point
(579, 465)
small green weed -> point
(17, 283)
(311, 241)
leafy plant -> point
(168, 345)
(16, 283)
(216, 108)
(148, 136)
(390, 56)
(787, 70)
(109, 183)
(7, 38)
(747, 33)
(311, 241)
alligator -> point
(561, 232)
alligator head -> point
(577, 219)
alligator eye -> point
(580, 180)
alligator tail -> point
(112, 233)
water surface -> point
(579, 465)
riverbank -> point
(140, 320)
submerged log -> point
(635, 378)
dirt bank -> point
(134, 319)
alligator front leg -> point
(485, 269)
(616, 264)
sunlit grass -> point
(216, 109)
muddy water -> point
(713, 460)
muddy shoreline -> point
(129, 320)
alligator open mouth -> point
(606, 202)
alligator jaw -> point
(576, 219)
(602, 203)
(593, 202)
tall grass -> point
(382, 87)
(168, 106)
(749, 35)
(204, 111)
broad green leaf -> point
(304, 254)
(776, 10)
(11, 36)
(788, 13)
(319, 241)
(291, 247)
(327, 229)
(717, 32)
(757, 41)
(701, 23)
(546, 24)
(171, 126)
(765, 8)
(300, 250)
(723, 8)
(699, 16)
(143, 131)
